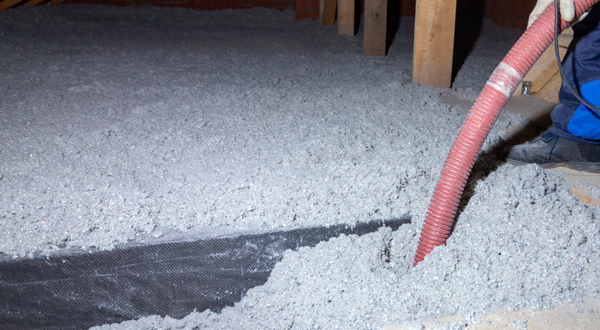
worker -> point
(573, 140)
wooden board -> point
(546, 67)
(8, 3)
(585, 196)
(550, 91)
(329, 12)
(375, 27)
(345, 17)
(434, 42)
(564, 39)
(563, 315)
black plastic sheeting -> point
(175, 278)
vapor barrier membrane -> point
(81, 290)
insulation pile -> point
(136, 124)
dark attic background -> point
(508, 13)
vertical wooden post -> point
(375, 27)
(345, 14)
(434, 42)
(321, 9)
(329, 12)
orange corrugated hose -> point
(476, 127)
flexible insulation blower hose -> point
(476, 127)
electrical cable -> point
(560, 67)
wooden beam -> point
(375, 27)
(565, 38)
(8, 3)
(548, 68)
(33, 2)
(329, 12)
(549, 91)
(345, 15)
(434, 42)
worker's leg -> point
(574, 138)
(571, 119)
